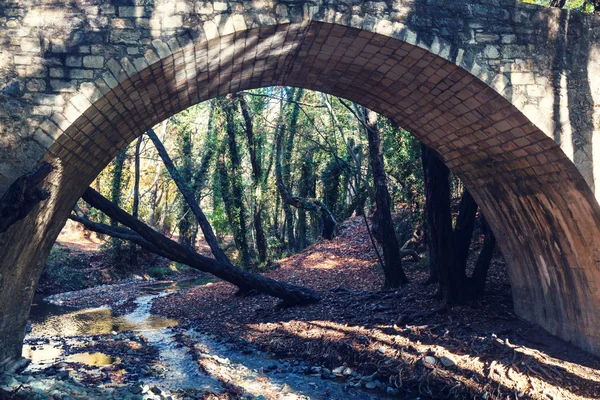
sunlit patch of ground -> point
(406, 338)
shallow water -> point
(202, 365)
(50, 320)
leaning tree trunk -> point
(207, 230)
(439, 226)
(384, 232)
(240, 278)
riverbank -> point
(405, 338)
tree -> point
(245, 281)
(136, 195)
(116, 189)
(448, 248)
(383, 226)
(255, 150)
(190, 199)
(235, 197)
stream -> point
(94, 353)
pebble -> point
(447, 362)
(429, 361)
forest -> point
(284, 243)
(262, 174)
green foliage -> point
(63, 268)
(160, 272)
(219, 222)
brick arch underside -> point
(541, 210)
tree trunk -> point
(483, 261)
(136, 196)
(463, 230)
(207, 230)
(242, 279)
(384, 232)
(255, 150)
(441, 240)
(237, 196)
(154, 197)
(116, 187)
(558, 3)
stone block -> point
(131, 11)
(73, 61)
(81, 73)
(125, 36)
(60, 85)
(31, 45)
(93, 61)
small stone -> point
(392, 391)
(272, 366)
(347, 371)
(447, 362)
(370, 385)
(381, 350)
(339, 371)
(429, 361)
(155, 390)
(402, 320)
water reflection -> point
(56, 320)
(94, 359)
(51, 320)
(41, 355)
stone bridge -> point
(508, 94)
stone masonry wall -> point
(545, 61)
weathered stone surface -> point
(494, 86)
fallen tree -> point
(23, 195)
(191, 200)
(146, 237)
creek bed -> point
(97, 353)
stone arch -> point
(541, 209)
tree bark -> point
(242, 279)
(383, 225)
(237, 200)
(255, 150)
(463, 230)
(23, 195)
(482, 265)
(441, 240)
(207, 230)
(116, 187)
(136, 195)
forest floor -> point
(405, 340)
